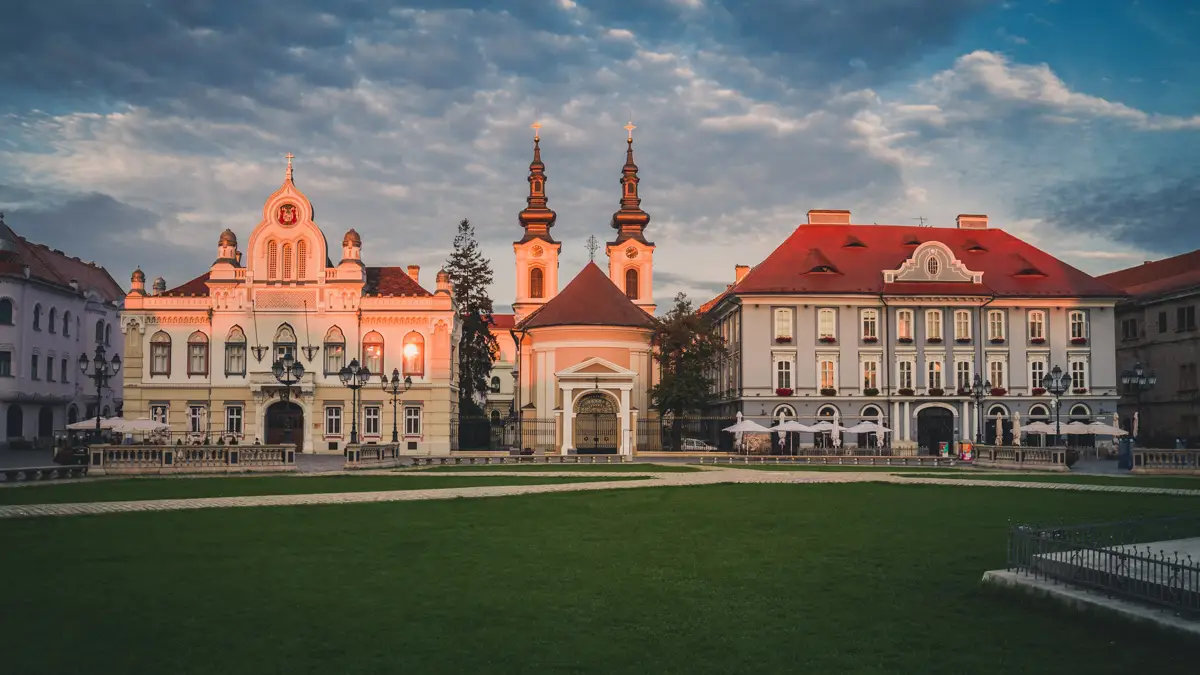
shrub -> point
(870, 391)
(937, 391)
(829, 391)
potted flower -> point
(1037, 341)
(904, 340)
(1079, 341)
(783, 391)
(934, 340)
(1038, 391)
(870, 391)
(904, 391)
(827, 339)
(999, 391)
(1079, 390)
(783, 339)
(962, 392)
(870, 339)
(997, 340)
(963, 340)
(937, 391)
(829, 391)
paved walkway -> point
(707, 476)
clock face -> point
(537, 251)
(631, 253)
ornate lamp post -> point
(394, 387)
(99, 369)
(354, 377)
(980, 388)
(1056, 382)
(288, 371)
(1138, 380)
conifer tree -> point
(688, 348)
(471, 274)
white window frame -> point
(413, 422)
(333, 420)
(933, 324)
(962, 329)
(996, 325)
(783, 323)
(930, 382)
(784, 373)
(1036, 377)
(904, 324)
(970, 367)
(1079, 364)
(870, 374)
(234, 413)
(900, 375)
(869, 322)
(1077, 319)
(1040, 322)
(372, 420)
(833, 361)
(196, 419)
(160, 412)
(826, 319)
(1001, 381)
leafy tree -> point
(688, 348)
(471, 274)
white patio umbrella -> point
(867, 427)
(1134, 430)
(1038, 428)
(1101, 429)
(838, 429)
(790, 426)
(141, 425)
(85, 425)
(999, 430)
(745, 426)
(1016, 429)
(1078, 428)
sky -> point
(133, 132)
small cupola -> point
(137, 282)
(160, 286)
(351, 246)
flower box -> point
(999, 391)
(997, 341)
(1038, 391)
(937, 391)
(933, 341)
(783, 391)
(962, 392)
(1079, 341)
(904, 340)
(783, 340)
(963, 341)
(827, 339)
(1079, 390)
(1037, 341)
(870, 339)
(829, 391)
(905, 392)
(870, 391)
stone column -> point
(626, 446)
(568, 419)
(906, 412)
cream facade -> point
(200, 356)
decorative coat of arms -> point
(288, 214)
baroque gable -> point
(933, 261)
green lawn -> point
(128, 489)
(1181, 482)
(862, 578)
(635, 467)
(835, 467)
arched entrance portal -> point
(285, 424)
(45, 422)
(596, 428)
(935, 425)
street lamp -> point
(288, 371)
(1056, 382)
(395, 387)
(99, 369)
(979, 389)
(1138, 380)
(354, 377)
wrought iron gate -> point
(596, 428)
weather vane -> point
(592, 245)
(920, 220)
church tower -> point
(630, 256)
(536, 252)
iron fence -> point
(1130, 559)
(698, 434)
(484, 434)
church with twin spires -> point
(581, 355)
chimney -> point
(414, 271)
(740, 272)
(968, 221)
(828, 217)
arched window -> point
(235, 351)
(285, 342)
(37, 317)
(108, 333)
(631, 283)
(6, 311)
(302, 259)
(72, 414)
(272, 260)
(335, 351)
(1039, 413)
(1080, 412)
(495, 416)
(870, 439)
(373, 353)
(52, 321)
(535, 283)
(67, 324)
(414, 354)
(160, 354)
(287, 261)
(495, 386)
(99, 332)
(197, 354)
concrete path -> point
(708, 476)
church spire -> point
(537, 218)
(288, 176)
(630, 220)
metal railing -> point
(1131, 559)
(1166, 461)
(477, 434)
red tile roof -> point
(713, 303)
(1158, 277)
(54, 267)
(1010, 267)
(381, 281)
(591, 299)
(504, 321)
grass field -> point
(616, 468)
(837, 467)
(1181, 482)
(862, 578)
(129, 489)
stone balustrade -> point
(34, 473)
(1021, 458)
(373, 456)
(166, 459)
(831, 460)
(1179, 462)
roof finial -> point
(537, 128)
(289, 157)
(592, 246)
(629, 127)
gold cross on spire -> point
(289, 157)
(537, 128)
(629, 127)
(592, 245)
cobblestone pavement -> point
(708, 476)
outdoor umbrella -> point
(999, 431)
(1016, 429)
(746, 426)
(142, 425)
(1134, 430)
(867, 427)
(1101, 429)
(1038, 428)
(838, 429)
(89, 424)
(1078, 428)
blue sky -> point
(134, 132)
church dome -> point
(138, 276)
(228, 238)
(352, 239)
(160, 285)
(443, 275)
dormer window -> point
(823, 268)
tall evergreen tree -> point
(688, 348)
(471, 274)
